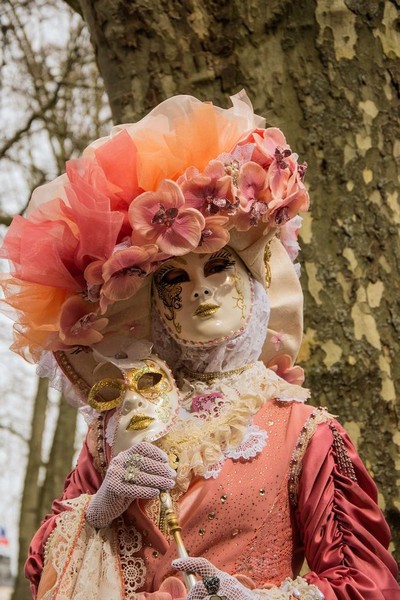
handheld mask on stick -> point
(146, 398)
(148, 402)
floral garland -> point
(101, 231)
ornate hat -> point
(188, 177)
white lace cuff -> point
(291, 588)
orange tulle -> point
(168, 155)
(118, 162)
(38, 308)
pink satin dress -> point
(307, 495)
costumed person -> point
(155, 282)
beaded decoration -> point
(319, 415)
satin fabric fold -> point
(344, 532)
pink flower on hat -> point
(210, 192)
(214, 235)
(162, 218)
(265, 141)
(125, 270)
(79, 324)
(289, 234)
(277, 339)
(289, 194)
(254, 196)
(121, 276)
(284, 176)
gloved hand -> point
(214, 582)
(139, 472)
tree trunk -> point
(28, 522)
(37, 499)
(327, 72)
(60, 459)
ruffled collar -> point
(217, 415)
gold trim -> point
(103, 405)
(268, 272)
(152, 392)
(212, 376)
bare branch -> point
(13, 432)
(75, 5)
(36, 115)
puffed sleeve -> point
(84, 479)
(344, 533)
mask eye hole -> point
(148, 380)
(171, 276)
(217, 265)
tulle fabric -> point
(345, 535)
(164, 138)
(38, 307)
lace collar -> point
(217, 416)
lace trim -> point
(203, 439)
(133, 567)
(214, 470)
(49, 367)
(80, 556)
(111, 430)
(47, 546)
(253, 443)
(99, 564)
(291, 588)
(319, 415)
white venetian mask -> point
(203, 297)
(147, 401)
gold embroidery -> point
(156, 514)
(70, 372)
(100, 461)
(214, 375)
(267, 257)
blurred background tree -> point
(52, 104)
(325, 71)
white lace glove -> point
(217, 585)
(214, 582)
(139, 472)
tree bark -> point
(28, 523)
(37, 498)
(327, 72)
(60, 459)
